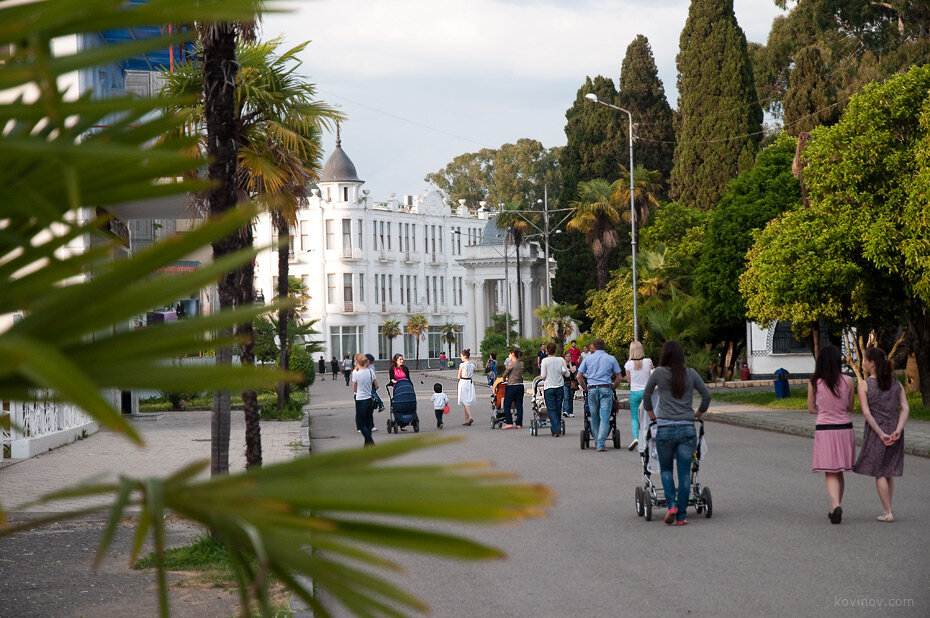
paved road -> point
(769, 548)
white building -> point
(774, 348)
(364, 261)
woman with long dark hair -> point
(882, 454)
(398, 370)
(676, 438)
(830, 396)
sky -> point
(423, 81)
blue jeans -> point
(554, 407)
(600, 404)
(364, 419)
(568, 403)
(636, 397)
(513, 395)
(676, 442)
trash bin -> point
(782, 389)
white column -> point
(480, 311)
(529, 319)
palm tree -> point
(518, 225)
(557, 321)
(450, 333)
(597, 215)
(647, 186)
(391, 329)
(417, 326)
(278, 136)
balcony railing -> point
(351, 253)
(410, 256)
(384, 255)
(349, 307)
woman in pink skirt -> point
(830, 397)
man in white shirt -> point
(553, 371)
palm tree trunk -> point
(284, 314)
(601, 271)
(245, 330)
(219, 76)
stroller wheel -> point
(708, 503)
(584, 440)
(396, 428)
(616, 436)
(639, 501)
(390, 425)
(647, 507)
(416, 426)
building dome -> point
(339, 168)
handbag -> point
(445, 410)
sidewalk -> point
(795, 422)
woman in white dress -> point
(466, 386)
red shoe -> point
(683, 522)
(670, 516)
(506, 426)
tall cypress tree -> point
(810, 93)
(720, 118)
(596, 147)
(642, 93)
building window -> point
(784, 341)
(346, 340)
(381, 236)
(389, 236)
(433, 237)
(330, 234)
(347, 234)
(413, 236)
(304, 236)
(361, 288)
(374, 235)
(434, 342)
(345, 194)
(442, 290)
(347, 287)
(425, 238)
(390, 288)
(440, 239)
(360, 233)
(330, 288)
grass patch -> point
(205, 401)
(766, 399)
(203, 554)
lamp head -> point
(592, 97)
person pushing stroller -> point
(599, 375)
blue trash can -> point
(782, 390)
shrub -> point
(293, 411)
(302, 362)
(179, 399)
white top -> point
(638, 377)
(440, 400)
(347, 364)
(363, 378)
(554, 371)
(467, 369)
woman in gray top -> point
(675, 438)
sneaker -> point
(564, 414)
(506, 426)
(603, 449)
(683, 522)
(374, 429)
(633, 445)
(518, 426)
(571, 416)
(670, 516)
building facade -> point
(364, 261)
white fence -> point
(32, 427)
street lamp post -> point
(593, 97)
(545, 205)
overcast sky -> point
(423, 81)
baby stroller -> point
(403, 406)
(497, 403)
(649, 495)
(613, 433)
(540, 411)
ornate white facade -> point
(364, 261)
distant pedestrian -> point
(553, 371)
(514, 392)
(675, 416)
(570, 387)
(334, 366)
(347, 368)
(540, 357)
(830, 396)
(584, 353)
(637, 368)
(440, 402)
(490, 368)
(322, 371)
(364, 384)
(467, 385)
(599, 375)
(575, 353)
(885, 408)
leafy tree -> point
(449, 334)
(73, 341)
(418, 326)
(391, 330)
(467, 177)
(519, 223)
(598, 212)
(611, 310)
(647, 187)
(557, 321)
(809, 101)
(641, 92)
(752, 199)
(677, 232)
(720, 119)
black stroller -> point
(649, 495)
(403, 406)
(613, 433)
(541, 411)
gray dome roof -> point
(339, 168)
(492, 235)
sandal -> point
(886, 517)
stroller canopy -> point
(404, 398)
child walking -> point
(440, 401)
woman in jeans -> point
(675, 438)
(364, 384)
(553, 371)
(513, 394)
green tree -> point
(391, 330)
(641, 92)
(720, 119)
(597, 214)
(557, 321)
(73, 341)
(417, 326)
(449, 334)
(809, 101)
(611, 310)
(518, 222)
(647, 187)
(752, 199)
